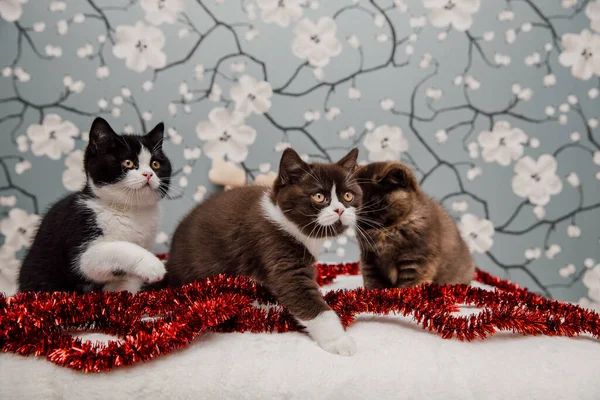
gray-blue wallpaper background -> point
(493, 103)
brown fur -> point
(406, 238)
(229, 233)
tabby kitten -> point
(274, 236)
(101, 236)
(406, 238)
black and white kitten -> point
(101, 236)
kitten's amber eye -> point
(155, 164)
(318, 197)
(127, 164)
(348, 196)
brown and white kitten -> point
(406, 238)
(274, 236)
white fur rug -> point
(396, 359)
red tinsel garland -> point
(154, 323)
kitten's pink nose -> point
(147, 175)
(339, 211)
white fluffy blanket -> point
(396, 359)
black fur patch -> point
(69, 226)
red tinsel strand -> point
(154, 323)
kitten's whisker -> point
(376, 210)
(310, 234)
(371, 202)
(383, 231)
(369, 241)
(177, 195)
(159, 143)
(371, 222)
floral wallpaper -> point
(494, 105)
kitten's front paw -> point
(343, 345)
(150, 270)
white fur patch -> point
(274, 213)
(326, 329)
(129, 216)
(137, 225)
(328, 215)
(102, 259)
(128, 236)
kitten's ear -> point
(156, 135)
(291, 167)
(398, 176)
(348, 162)
(101, 134)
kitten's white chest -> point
(138, 226)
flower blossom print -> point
(477, 232)
(502, 144)
(11, 10)
(581, 53)
(385, 143)
(18, 228)
(53, 138)
(280, 12)
(593, 13)
(252, 96)
(316, 42)
(9, 270)
(161, 11)
(225, 134)
(536, 180)
(591, 280)
(141, 46)
(455, 13)
(73, 177)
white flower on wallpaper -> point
(141, 46)
(455, 13)
(581, 52)
(18, 228)
(593, 13)
(225, 134)
(53, 138)
(316, 42)
(11, 10)
(536, 180)
(591, 280)
(9, 270)
(477, 232)
(251, 95)
(590, 304)
(281, 12)
(502, 144)
(200, 193)
(73, 177)
(385, 143)
(161, 11)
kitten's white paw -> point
(150, 270)
(326, 329)
(343, 345)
